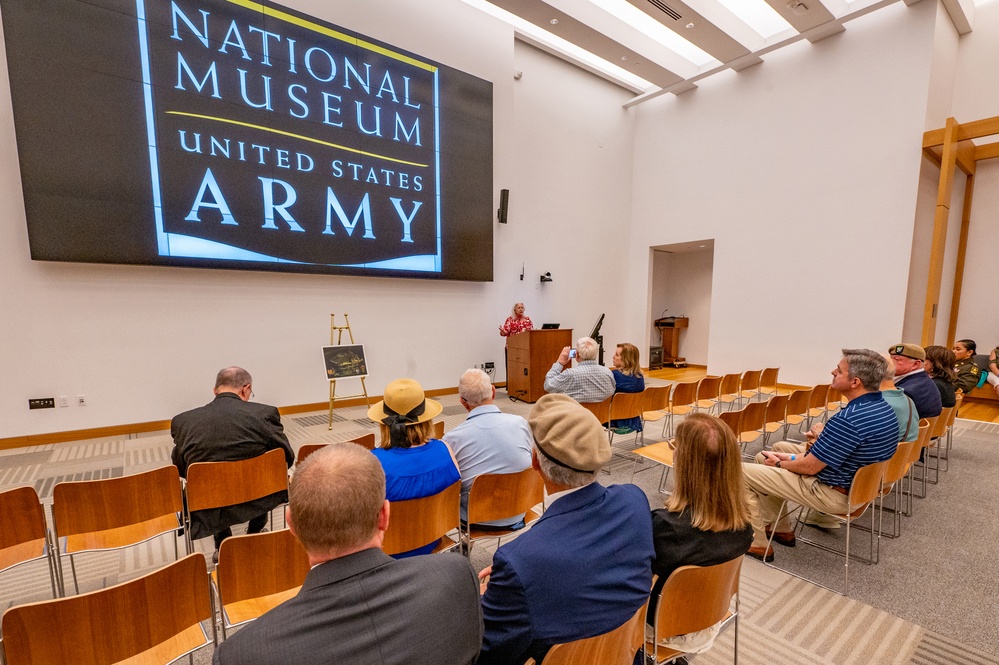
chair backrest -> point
(755, 416)
(933, 428)
(657, 398)
(416, 522)
(731, 383)
(777, 408)
(696, 597)
(733, 419)
(819, 397)
(709, 387)
(117, 512)
(218, 484)
(367, 441)
(751, 379)
(898, 465)
(953, 414)
(922, 440)
(940, 426)
(834, 398)
(626, 405)
(22, 537)
(600, 409)
(438, 429)
(866, 486)
(768, 379)
(495, 496)
(258, 565)
(684, 394)
(617, 647)
(797, 403)
(159, 613)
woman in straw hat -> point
(416, 464)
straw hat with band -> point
(404, 404)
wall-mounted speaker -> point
(504, 206)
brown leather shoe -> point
(785, 538)
(765, 554)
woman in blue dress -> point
(628, 378)
(416, 465)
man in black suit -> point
(358, 605)
(229, 428)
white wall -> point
(682, 283)
(804, 169)
(144, 343)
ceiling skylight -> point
(642, 22)
(758, 15)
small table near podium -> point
(669, 352)
(529, 357)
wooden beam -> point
(948, 165)
(966, 131)
(966, 157)
(962, 250)
(987, 151)
(932, 154)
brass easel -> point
(336, 335)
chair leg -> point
(72, 565)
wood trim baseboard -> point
(164, 425)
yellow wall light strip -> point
(315, 27)
(297, 136)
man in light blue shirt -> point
(489, 441)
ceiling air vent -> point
(669, 11)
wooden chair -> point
(496, 496)
(864, 490)
(624, 406)
(600, 409)
(92, 515)
(797, 408)
(682, 403)
(937, 439)
(734, 420)
(220, 484)
(898, 467)
(922, 442)
(656, 403)
(731, 384)
(150, 620)
(708, 392)
(438, 429)
(367, 441)
(776, 416)
(416, 522)
(617, 647)
(24, 536)
(834, 401)
(945, 456)
(750, 385)
(659, 453)
(768, 381)
(256, 573)
(817, 405)
(695, 598)
(754, 419)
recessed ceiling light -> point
(690, 25)
(624, 57)
(554, 21)
(702, 245)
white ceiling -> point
(653, 47)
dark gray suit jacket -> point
(227, 429)
(369, 609)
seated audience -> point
(416, 465)
(588, 381)
(230, 428)
(865, 431)
(584, 567)
(489, 441)
(705, 521)
(358, 605)
(628, 378)
(968, 372)
(901, 404)
(993, 376)
(913, 379)
(939, 364)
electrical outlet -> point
(81, 400)
(42, 403)
(63, 401)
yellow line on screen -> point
(296, 136)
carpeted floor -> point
(929, 601)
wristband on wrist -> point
(792, 458)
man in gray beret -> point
(584, 567)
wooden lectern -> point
(529, 357)
(669, 329)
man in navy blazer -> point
(359, 605)
(584, 567)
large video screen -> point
(244, 134)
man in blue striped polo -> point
(864, 432)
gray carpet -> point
(930, 600)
